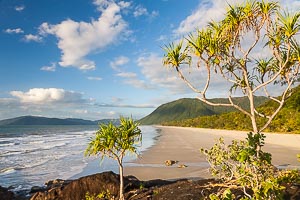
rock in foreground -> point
(108, 182)
(5, 194)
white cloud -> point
(119, 61)
(76, 40)
(93, 78)
(137, 83)
(16, 30)
(35, 38)
(142, 11)
(208, 10)
(162, 38)
(159, 76)
(127, 74)
(20, 8)
(215, 10)
(139, 11)
(156, 73)
(50, 68)
(48, 95)
(205, 12)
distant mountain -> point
(188, 108)
(34, 120)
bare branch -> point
(187, 82)
(283, 98)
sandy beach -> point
(183, 144)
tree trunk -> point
(121, 182)
(253, 120)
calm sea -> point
(32, 155)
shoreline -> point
(182, 144)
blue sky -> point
(95, 59)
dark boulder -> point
(5, 194)
(93, 184)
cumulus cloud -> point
(78, 39)
(153, 70)
(56, 102)
(140, 11)
(119, 61)
(205, 12)
(34, 38)
(20, 8)
(16, 31)
(50, 68)
(158, 76)
(48, 95)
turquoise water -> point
(32, 155)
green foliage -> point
(242, 164)
(225, 49)
(226, 195)
(114, 141)
(239, 121)
(105, 195)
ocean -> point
(32, 155)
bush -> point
(242, 165)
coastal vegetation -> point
(114, 142)
(283, 122)
(229, 49)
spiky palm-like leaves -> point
(114, 142)
(226, 47)
(176, 55)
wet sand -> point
(183, 144)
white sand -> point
(183, 144)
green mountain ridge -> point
(35, 120)
(188, 108)
(287, 120)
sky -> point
(96, 59)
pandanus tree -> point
(253, 47)
(114, 142)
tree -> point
(230, 49)
(253, 47)
(114, 142)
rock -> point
(182, 166)
(5, 194)
(35, 189)
(54, 182)
(170, 162)
(93, 184)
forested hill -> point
(287, 120)
(34, 120)
(188, 108)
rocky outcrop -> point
(107, 183)
(77, 189)
(93, 185)
(5, 194)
